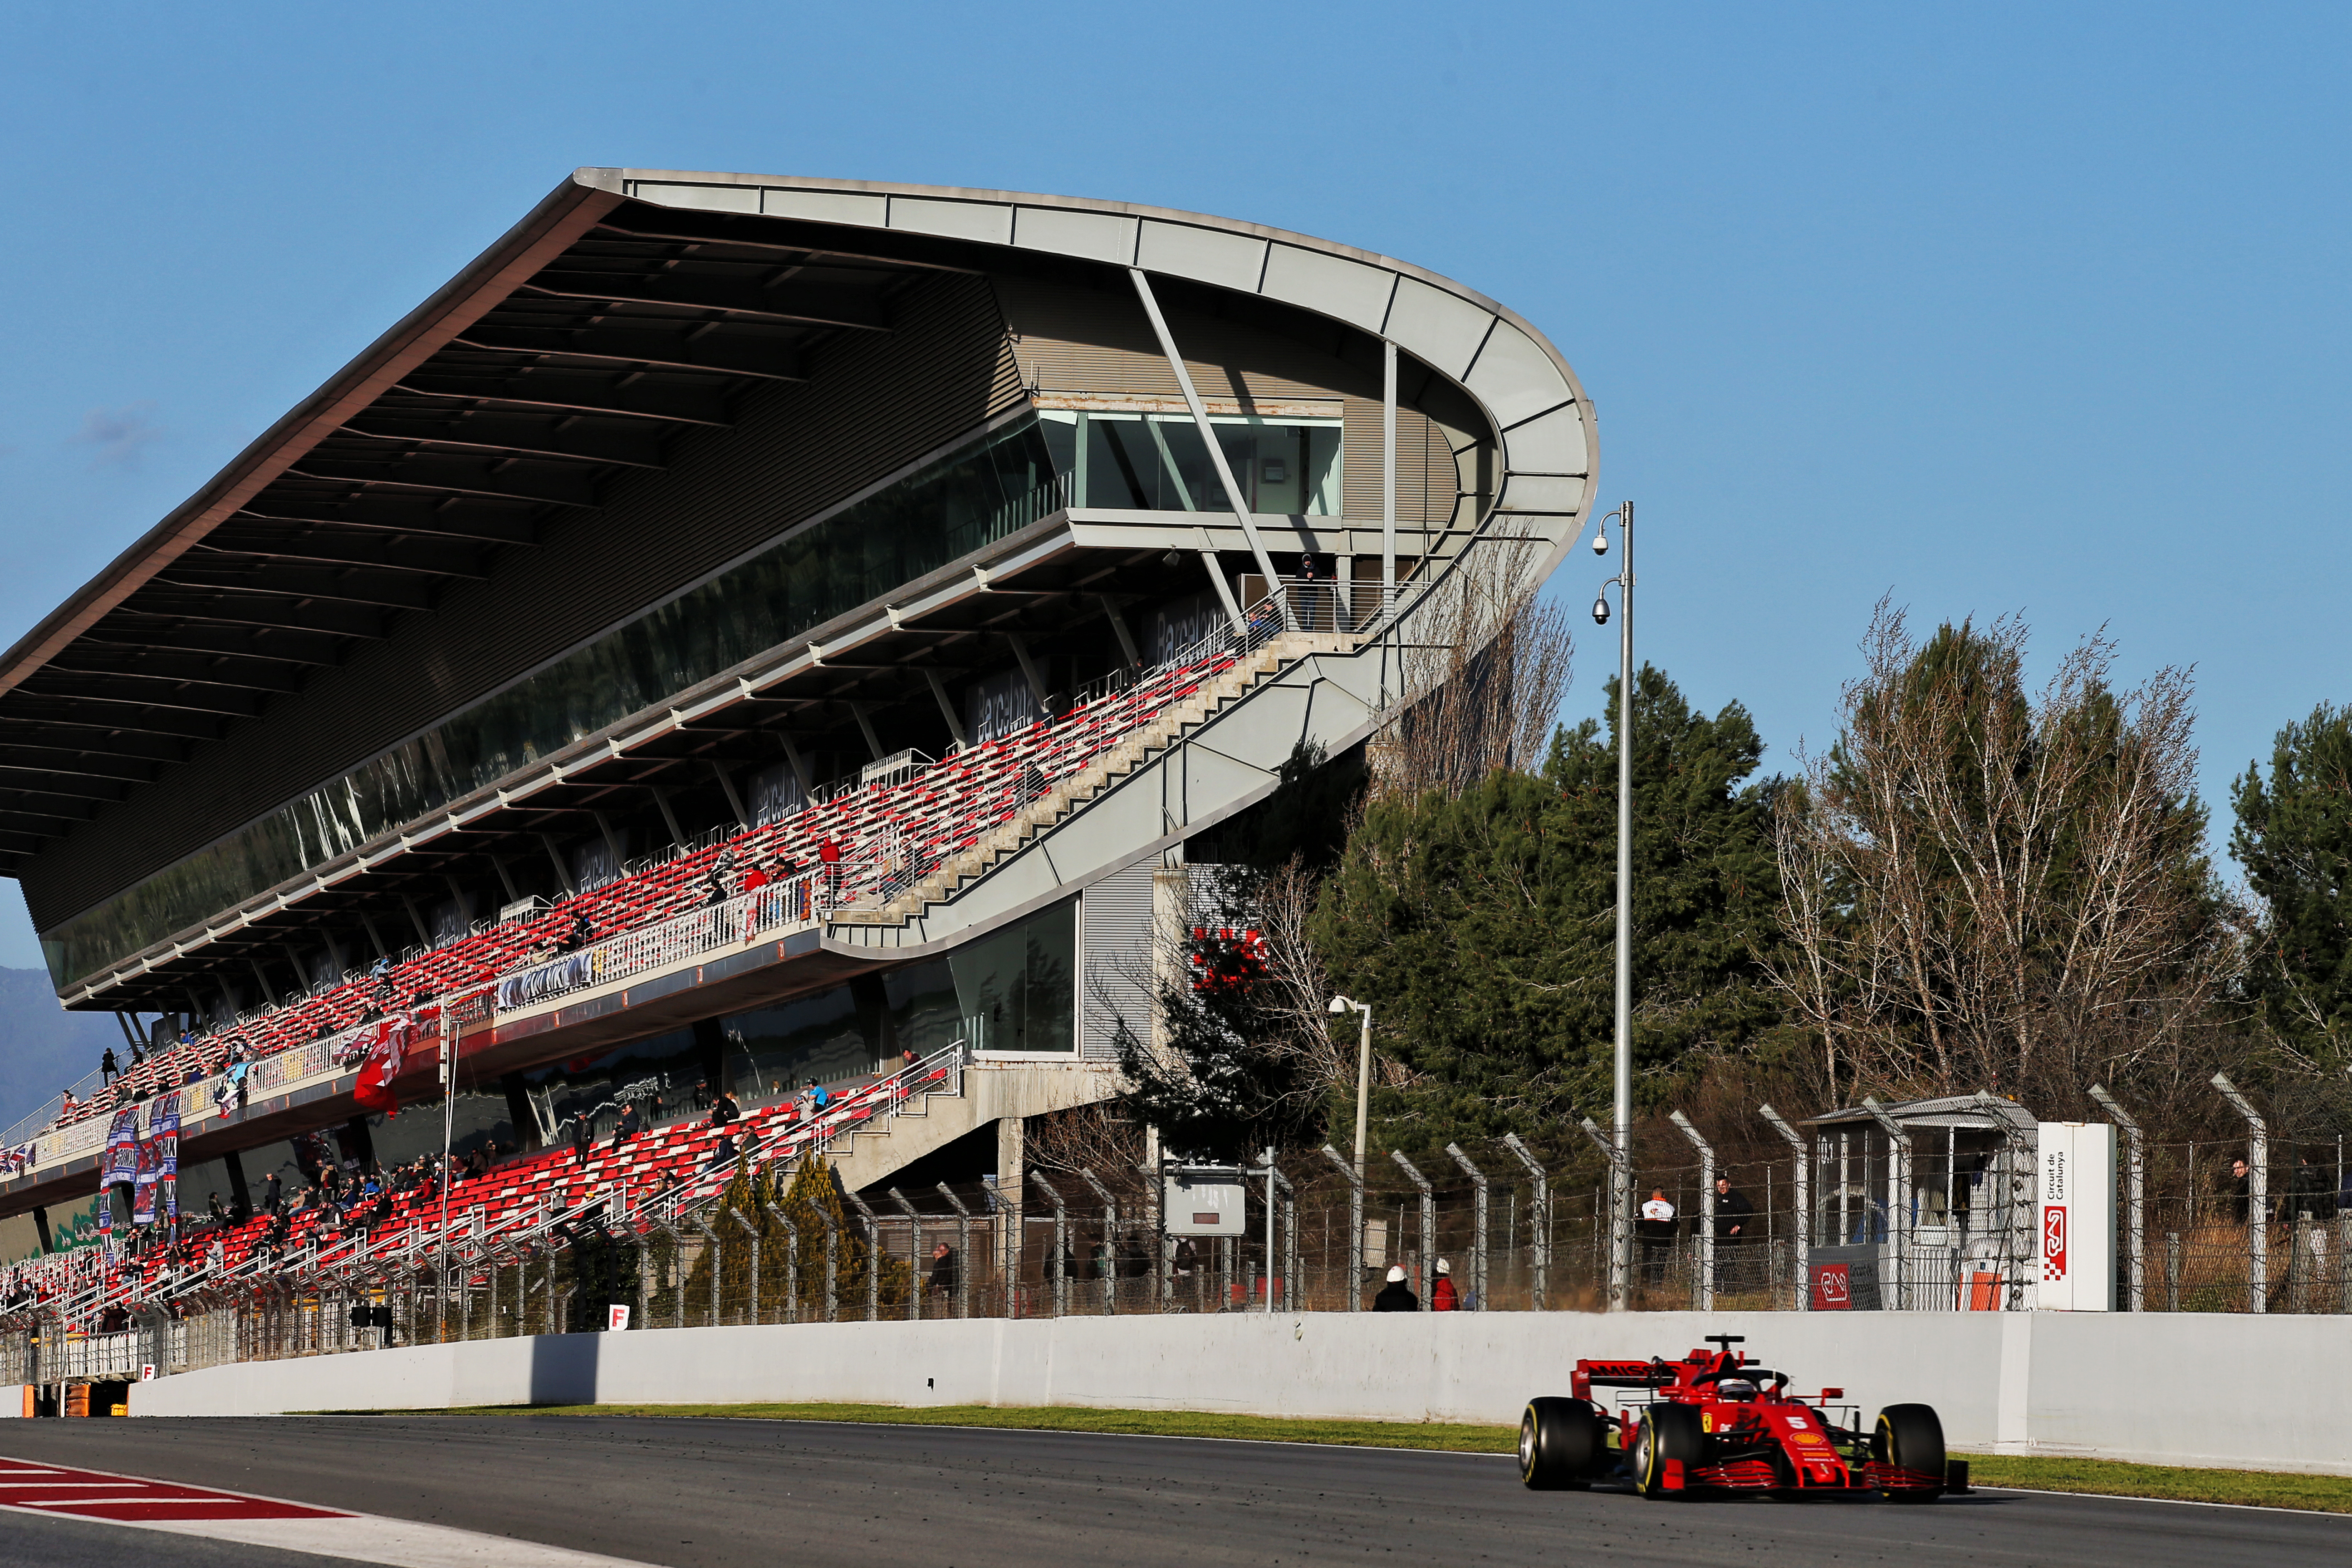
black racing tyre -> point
(1910, 1437)
(1562, 1443)
(1668, 1432)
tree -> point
(1481, 927)
(2294, 837)
(1234, 1070)
(1991, 888)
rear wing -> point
(1592, 1374)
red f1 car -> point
(1715, 1422)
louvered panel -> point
(1115, 926)
(873, 404)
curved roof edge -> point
(1524, 385)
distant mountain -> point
(43, 1047)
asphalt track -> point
(689, 1492)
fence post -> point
(914, 1254)
(793, 1262)
(1898, 1181)
(964, 1251)
(832, 1254)
(1291, 1290)
(1428, 1222)
(872, 1257)
(2135, 1189)
(1477, 1224)
(1621, 1175)
(2173, 1271)
(1061, 1245)
(1355, 1229)
(1703, 1287)
(1110, 1244)
(1539, 1216)
(1802, 1242)
(750, 1234)
(2258, 1196)
(702, 1224)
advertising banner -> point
(2077, 1212)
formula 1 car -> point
(1715, 1422)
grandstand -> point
(740, 633)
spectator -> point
(722, 1152)
(816, 1098)
(629, 1127)
(1441, 1297)
(944, 1272)
(1732, 1213)
(828, 859)
(2241, 1191)
(272, 1200)
(1657, 1233)
(580, 1138)
(2309, 1193)
(108, 1067)
(1396, 1296)
(213, 1206)
(724, 1110)
(755, 878)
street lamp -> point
(1621, 1249)
(1340, 1004)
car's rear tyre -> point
(1561, 1444)
(1910, 1437)
(1668, 1432)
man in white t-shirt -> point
(1657, 1233)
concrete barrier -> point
(2191, 1389)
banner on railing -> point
(566, 973)
(122, 1149)
(163, 1128)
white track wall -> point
(2186, 1388)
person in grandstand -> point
(1396, 1296)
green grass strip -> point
(1066, 1418)
(2113, 1477)
(2110, 1478)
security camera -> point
(1599, 541)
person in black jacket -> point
(1396, 1296)
(1733, 1217)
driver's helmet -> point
(1737, 1389)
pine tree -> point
(1482, 928)
(2294, 837)
(812, 1196)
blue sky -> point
(1992, 308)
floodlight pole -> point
(1620, 1239)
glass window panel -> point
(993, 486)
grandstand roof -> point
(627, 308)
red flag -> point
(374, 1089)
